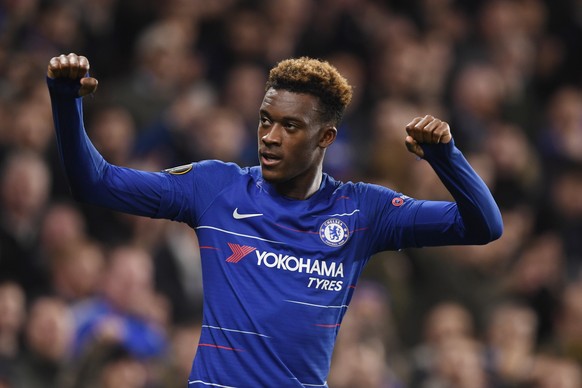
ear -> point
(328, 135)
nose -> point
(272, 136)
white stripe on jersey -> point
(317, 305)
(311, 385)
(207, 383)
(236, 331)
(238, 234)
(343, 214)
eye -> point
(290, 126)
(264, 121)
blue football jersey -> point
(278, 273)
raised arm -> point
(91, 178)
(474, 217)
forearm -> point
(475, 217)
(91, 178)
(82, 163)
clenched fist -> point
(74, 67)
(426, 130)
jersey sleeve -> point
(93, 180)
(475, 213)
(193, 188)
(390, 215)
(401, 222)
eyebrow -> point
(284, 118)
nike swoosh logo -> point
(237, 216)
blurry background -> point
(93, 298)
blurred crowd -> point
(94, 298)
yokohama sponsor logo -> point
(302, 265)
(238, 252)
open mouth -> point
(269, 159)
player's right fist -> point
(74, 67)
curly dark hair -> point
(315, 77)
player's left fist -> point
(426, 130)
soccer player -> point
(282, 243)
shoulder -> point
(215, 168)
(362, 189)
(375, 199)
(208, 177)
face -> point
(292, 141)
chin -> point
(271, 176)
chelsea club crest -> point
(334, 232)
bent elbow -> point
(492, 232)
(88, 185)
(484, 233)
(81, 195)
(497, 230)
(87, 192)
(495, 226)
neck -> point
(301, 187)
